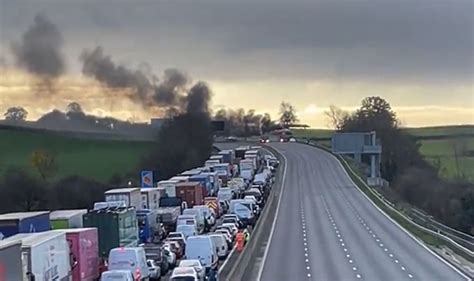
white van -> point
(117, 275)
(202, 248)
(221, 245)
(130, 258)
(187, 220)
(187, 230)
(199, 217)
(207, 213)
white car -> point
(184, 273)
(154, 269)
(176, 234)
(227, 235)
(117, 275)
(292, 140)
(196, 264)
(235, 228)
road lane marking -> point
(282, 190)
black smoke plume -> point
(101, 67)
(39, 51)
(198, 98)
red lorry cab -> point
(192, 192)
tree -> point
(184, 142)
(287, 114)
(44, 162)
(74, 111)
(266, 123)
(22, 192)
(336, 117)
(399, 150)
(16, 113)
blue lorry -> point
(23, 222)
(149, 226)
(205, 180)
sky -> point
(416, 54)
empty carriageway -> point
(326, 229)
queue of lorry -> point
(185, 225)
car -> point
(234, 216)
(180, 240)
(117, 275)
(292, 140)
(129, 258)
(196, 264)
(176, 234)
(154, 269)
(231, 139)
(224, 206)
(227, 236)
(184, 274)
(233, 220)
(169, 255)
(233, 227)
(175, 248)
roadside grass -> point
(93, 158)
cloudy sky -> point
(417, 54)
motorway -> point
(325, 229)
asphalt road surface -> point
(327, 230)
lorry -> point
(169, 186)
(240, 152)
(151, 197)
(210, 163)
(117, 227)
(10, 261)
(168, 212)
(205, 181)
(63, 219)
(191, 172)
(228, 156)
(214, 179)
(131, 196)
(191, 192)
(23, 222)
(45, 255)
(83, 252)
(224, 172)
(149, 226)
(218, 157)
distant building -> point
(361, 146)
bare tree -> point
(336, 117)
(287, 114)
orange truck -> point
(213, 203)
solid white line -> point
(260, 271)
(227, 259)
(397, 224)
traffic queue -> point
(181, 228)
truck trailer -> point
(63, 219)
(23, 222)
(45, 255)
(10, 261)
(117, 227)
(131, 196)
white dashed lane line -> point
(305, 243)
(341, 241)
(374, 235)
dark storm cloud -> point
(420, 40)
(39, 50)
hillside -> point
(94, 158)
(437, 144)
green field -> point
(437, 145)
(98, 159)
